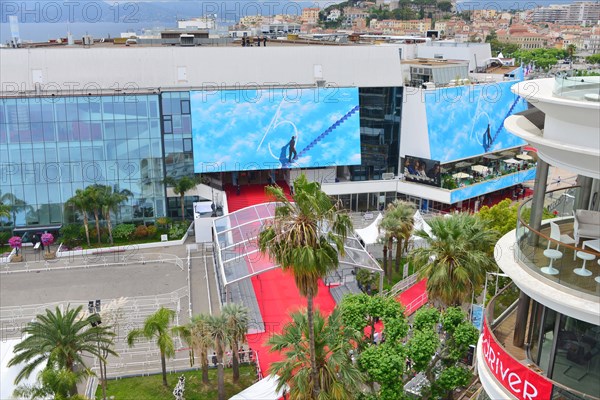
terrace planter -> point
(50, 256)
(16, 258)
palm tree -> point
(181, 186)
(340, 378)
(403, 213)
(456, 258)
(52, 382)
(4, 210)
(237, 320)
(63, 339)
(81, 203)
(388, 226)
(197, 336)
(156, 326)
(93, 194)
(305, 238)
(219, 331)
(110, 202)
(14, 205)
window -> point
(187, 145)
(185, 107)
(167, 125)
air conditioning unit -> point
(387, 175)
(320, 83)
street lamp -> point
(95, 320)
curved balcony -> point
(577, 87)
(507, 371)
(557, 257)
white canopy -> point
(461, 175)
(511, 161)
(370, 234)
(420, 223)
(482, 169)
(265, 389)
(524, 157)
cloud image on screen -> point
(237, 130)
(467, 121)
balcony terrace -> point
(500, 321)
(577, 87)
(568, 260)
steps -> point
(326, 132)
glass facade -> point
(567, 350)
(380, 116)
(52, 146)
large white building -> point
(546, 344)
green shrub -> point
(141, 232)
(152, 231)
(93, 234)
(4, 236)
(123, 231)
(71, 235)
(177, 231)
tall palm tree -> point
(197, 336)
(387, 226)
(183, 185)
(110, 201)
(156, 326)
(340, 378)
(93, 194)
(219, 331)
(81, 203)
(237, 320)
(61, 338)
(456, 259)
(403, 212)
(305, 238)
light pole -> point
(94, 310)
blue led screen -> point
(237, 130)
(466, 121)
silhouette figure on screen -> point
(293, 149)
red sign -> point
(519, 380)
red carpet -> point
(414, 297)
(275, 290)
(277, 297)
(249, 195)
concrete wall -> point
(198, 67)
(475, 53)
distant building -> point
(197, 23)
(521, 36)
(579, 13)
(310, 15)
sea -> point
(46, 20)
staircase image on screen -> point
(323, 135)
(487, 140)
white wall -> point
(472, 52)
(414, 139)
(200, 67)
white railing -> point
(403, 285)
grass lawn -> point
(151, 388)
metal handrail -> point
(548, 238)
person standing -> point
(293, 154)
(265, 41)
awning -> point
(482, 169)
(525, 157)
(461, 175)
(38, 228)
(370, 234)
(265, 389)
(511, 161)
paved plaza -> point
(131, 284)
